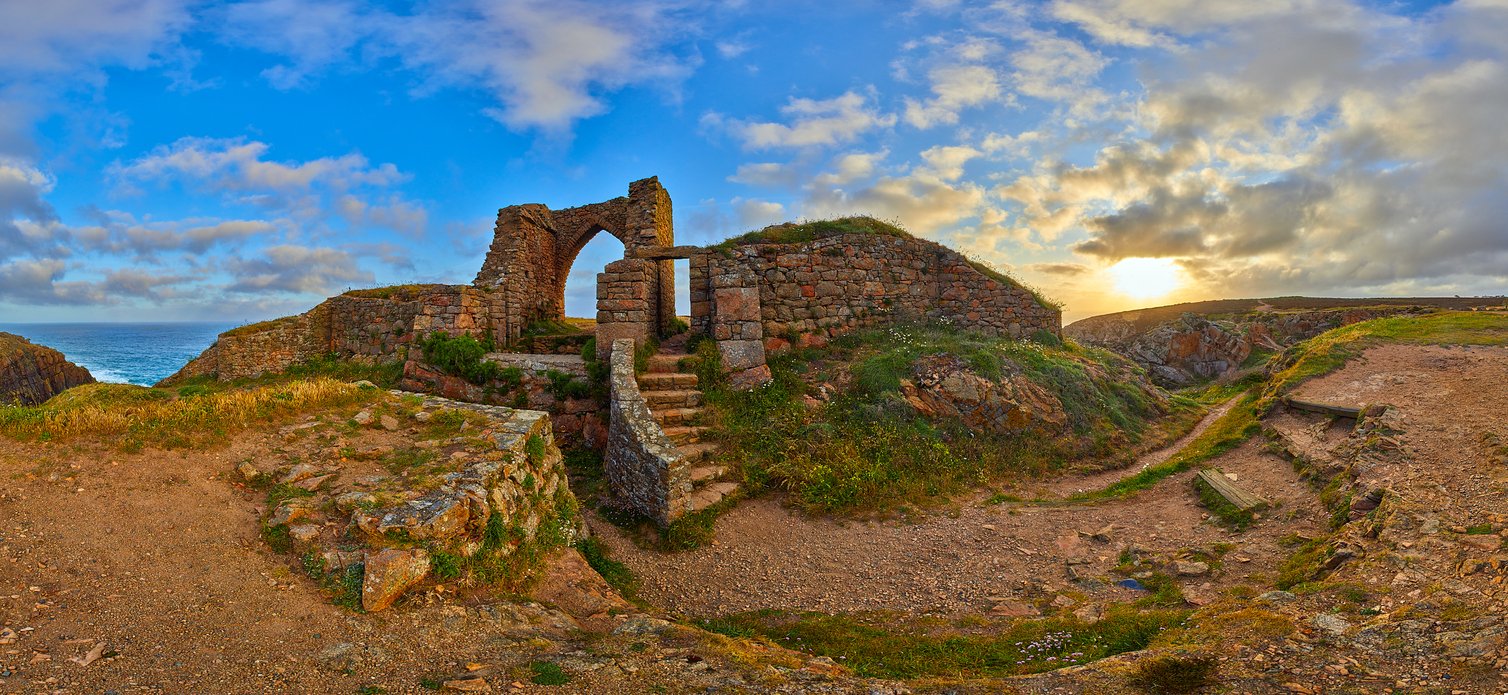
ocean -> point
(127, 353)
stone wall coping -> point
(573, 364)
(661, 253)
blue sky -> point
(177, 160)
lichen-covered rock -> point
(945, 386)
(388, 573)
(31, 374)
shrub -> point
(460, 356)
(1174, 674)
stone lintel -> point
(663, 253)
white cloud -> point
(1056, 69)
(756, 214)
(59, 36)
(851, 167)
(946, 161)
(297, 269)
(238, 165)
(954, 88)
(547, 63)
(765, 174)
(814, 123)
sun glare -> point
(1145, 278)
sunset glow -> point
(1146, 278)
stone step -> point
(676, 416)
(665, 364)
(673, 399)
(685, 434)
(696, 453)
(666, 381)
(701, 473)
(709, 495)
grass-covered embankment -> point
(194, 413)
(1317, 356)
(888, 645)
(864, 448)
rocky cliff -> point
(31, 374)
(1191, 347)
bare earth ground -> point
(984, 557)
(152, 562)
(156, 557)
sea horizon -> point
(125, 352)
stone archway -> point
(534, 247)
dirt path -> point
(768, 556)
(155, 559)
(1069, 485)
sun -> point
(1146, 278)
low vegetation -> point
(889, 645)
(865, 448)
(133, 417)
(462, 356)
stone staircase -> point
(676, 403)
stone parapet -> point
(644, 472)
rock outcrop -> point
(31, 374)
(1194, 347)
(945, 386)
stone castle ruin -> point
(750, 298)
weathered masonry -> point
(533, 248)
(750, 298)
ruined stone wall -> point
(831, 286)
(31, 374)
(643, 470)
(513, 479)
(375, 325)
(576, 421)
(625, 307)
(533, 249)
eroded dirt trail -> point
(985, 558)
(153, 563)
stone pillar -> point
(701, 293)
(624, 309)
(737, 324)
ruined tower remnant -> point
(533, 248)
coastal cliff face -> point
(31, 374)
(1193, 348)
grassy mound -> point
(805, 232)
(865, 448)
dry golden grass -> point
(132, 417)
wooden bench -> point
(1227, 488)
(1323, 408)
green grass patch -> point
(888, 645)
(868, 450)
(617, 574)
(548, 673)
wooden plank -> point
(662, 253)
(1227, 488)
(1323, 408)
